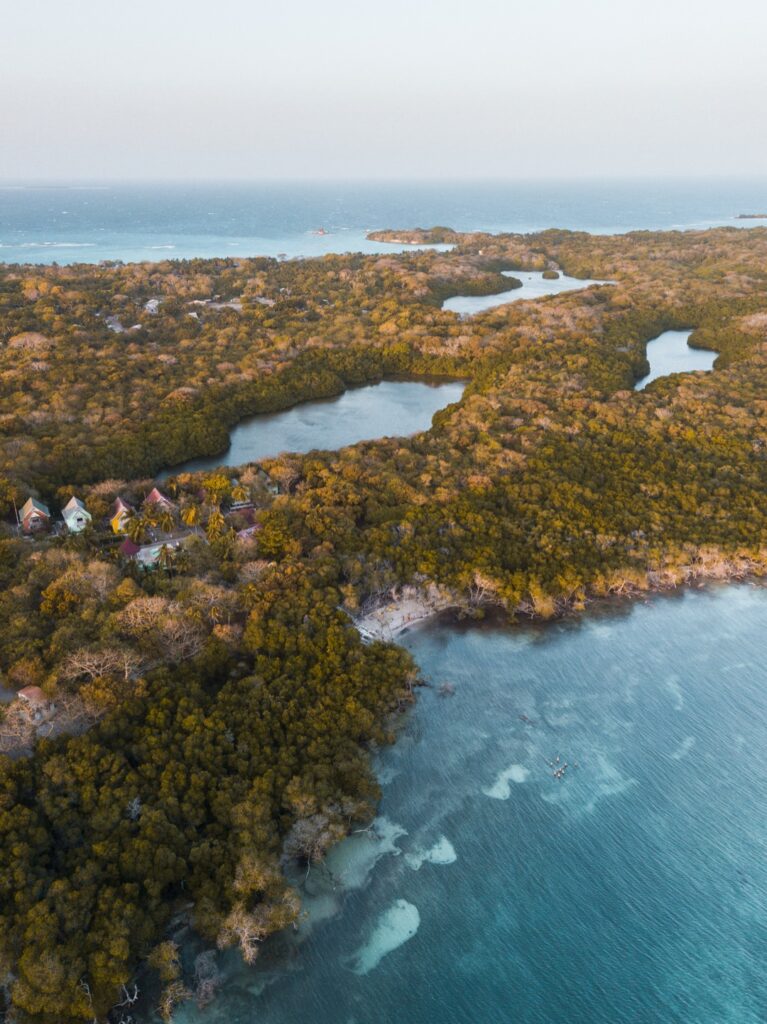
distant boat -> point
(320, 231)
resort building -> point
(34, 516)
(121, 513)
(156, 497)
(75, 515)
(149, 556)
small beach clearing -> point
(409, 607)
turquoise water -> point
(91, 222)
(534, 286)
(670, 353)
(631, 891)
(391, 408)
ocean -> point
(90, 222)
(632, 889)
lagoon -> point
(634, 888)
(534, 286)
(670, 353)
(388, 409)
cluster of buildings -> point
(122, 510)
(34, 516)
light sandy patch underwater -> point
(501, 790)
(393, 928)
(442, 852)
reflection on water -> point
(391, 408)
(534, 286)
(498, 885)
(670, 353)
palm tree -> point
(165, 558)
(135, 525)
(181, 560)
(166, 520)
(151, 513)
(216, 524)
(191, 515)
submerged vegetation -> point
(214, 713)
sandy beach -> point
(410, 606)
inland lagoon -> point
(390, 408)
(670, 353)
(534, 286)
(576, 835)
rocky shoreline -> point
(413, 605)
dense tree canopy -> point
(214, 713)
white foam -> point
(351, 861)
(684, 748)
(442, 852)
(500, 789)
(393, 929)
(57, 245)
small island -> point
(196, 671)
(417, 236)
(752, 216)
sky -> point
(402, 89)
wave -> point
(51, 245)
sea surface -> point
(631, 889)
(89, 222)
(670, 353)
(391, 408)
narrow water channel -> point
(534, 286)
(670, 353)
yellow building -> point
(120, 516)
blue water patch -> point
(391, 408)
(534, 286)
(629, 886)
(89, 222)
(670, 353)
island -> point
(194, 672)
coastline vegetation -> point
(224, 703)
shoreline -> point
(415, 606)
(412, 606)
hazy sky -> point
(397, 88)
